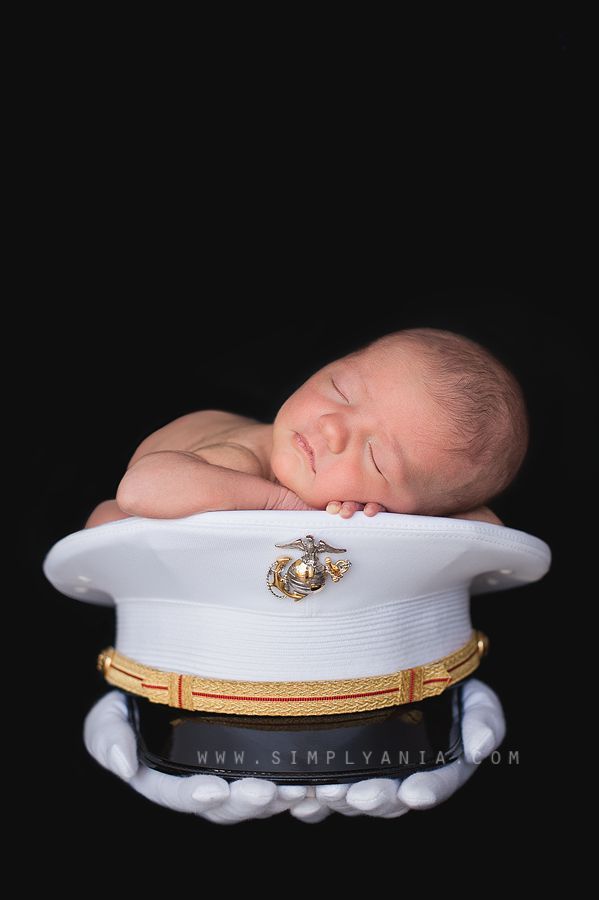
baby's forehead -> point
(392, 366)
(393, 353)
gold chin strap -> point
(292, 698)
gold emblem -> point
(308, 574)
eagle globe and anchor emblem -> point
(305, 575)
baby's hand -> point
(346, 508)
(282, 498)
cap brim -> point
(159, 558)
(387, 743)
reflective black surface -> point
(309, 749)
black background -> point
(249, 362)
(175, 275)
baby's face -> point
(363, 428)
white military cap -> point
(282, 633)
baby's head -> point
(422, 421)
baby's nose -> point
(334, 432)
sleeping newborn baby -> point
(420, 421)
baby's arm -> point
(199, 437)
(169, 484)
(106, 511)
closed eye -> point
(341, 394)
(374, 460)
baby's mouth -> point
(306, 448)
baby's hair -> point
(483, 402)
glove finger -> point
(425, 789)
(273, 809)
(207, 791)
(252, 794)
(376, 797)
(483, 721)
(108, 736)
(287, 795)
(193, 794)
(119, 757)
(335, 797)
(292, 792)
(249, 798)
(166, 790)
(310, 811)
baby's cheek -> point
(405, 501)
(285, 468)
(290, 472)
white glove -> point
(110, 739)
(483, 730)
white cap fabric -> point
(191, 594)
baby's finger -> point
(349, 508)
(371, 509)
(333, 507)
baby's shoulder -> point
(194, 429)
(213, 421)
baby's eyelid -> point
(374, 460)
(338, 391)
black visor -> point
(386, 743)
